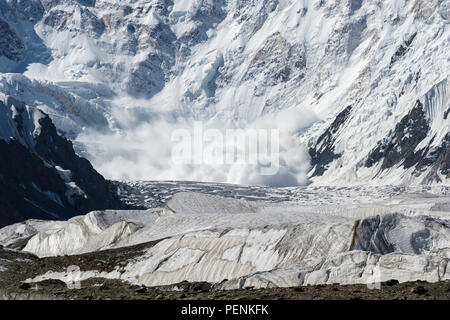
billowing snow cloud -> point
(149, 147)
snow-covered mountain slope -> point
(364, 84)
(259, 244)
(40, 175)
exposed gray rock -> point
(11, 45)
(40, 174)
(322, 152)
(277, 61)
(400, 145)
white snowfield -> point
(236, 243)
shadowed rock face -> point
(16, 10)
(30, 184)
(322, 153)
(11, 45)
(59, 20)
(438, 158)
(401, 51)
(445, 165)
(22, 175)
(399, 147)
(401, 143)
(59, 150)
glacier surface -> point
(237, 243)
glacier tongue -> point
(351, 267)
(257, 243)
(198, 203)
(91, 232)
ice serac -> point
(41, 177)
(258, 244)
(94, 231)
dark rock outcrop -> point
(400, 144)
(40, 174)
(438, 158)
(401, 51)
(322, 153)
(11, 45)
(400, 147)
